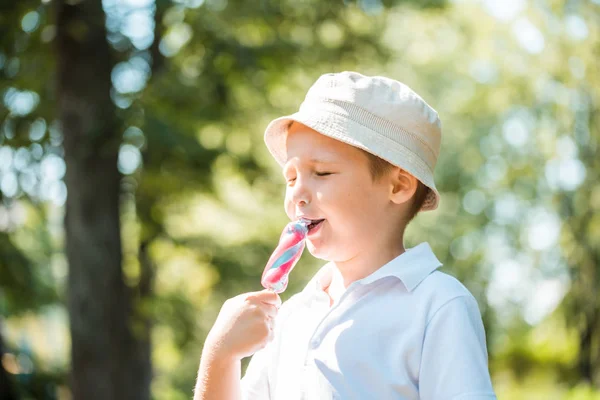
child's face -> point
(330, 180)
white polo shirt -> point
(404, 332)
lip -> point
(314, 230)
(308, 220)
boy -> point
(377, 321)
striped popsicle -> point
(285, 256)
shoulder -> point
(443, 286)
(440, 289)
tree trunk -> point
(104, 353)
(143, 367)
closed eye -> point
(323, 173)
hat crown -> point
(383, 97)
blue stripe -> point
(289, 253)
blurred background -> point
(136, 194)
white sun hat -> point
(379, 115)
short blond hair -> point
(379, 167)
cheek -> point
(342, 206)
(362, 208)
(352, 199)
(288, 206)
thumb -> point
(267, 297)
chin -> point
(325, 253)
(317, 251)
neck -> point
(369, 260)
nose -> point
(299, 193)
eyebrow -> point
(318, 161)
(322, 161)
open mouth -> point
(314, 224)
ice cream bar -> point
(285, 256)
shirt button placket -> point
(314, 342)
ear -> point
(402, 186)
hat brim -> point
(337, 126)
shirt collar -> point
(411, 267)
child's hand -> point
(244, 325)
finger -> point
(267, 296)
(272, 298)
(269, 309)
